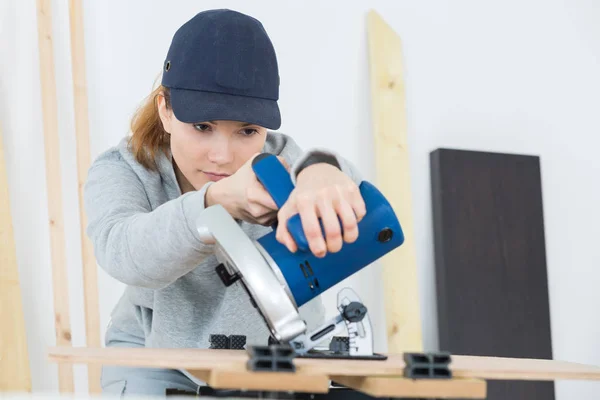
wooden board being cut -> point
(206, 359)
(226, 369)
(14, 359)
(401, 295)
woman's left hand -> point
(322, 191)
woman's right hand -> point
(244, 197)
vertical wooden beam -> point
(54, 190)
(90, 273)
(401, 293)
(14, 358)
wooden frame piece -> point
(401, 294)
(237, 378)
(90, 273)
(54, 190)
(387, 386)
(14, 356)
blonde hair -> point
(148, 136)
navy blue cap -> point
(221, 65)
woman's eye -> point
(249, 131)
(202, 127)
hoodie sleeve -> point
(322, 155)
(133, 243)
(298, 158)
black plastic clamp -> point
(237, 342)
(434, 365)
(219, 341)
(274, 358)
(339, 344)
(232, 342)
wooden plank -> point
(14, 356)
(54, 190)
(462, 366)
(90, 273)
(505, 368)
(193, 359)
(410, 388)
(237, 377)
(208, 359)
(491, 260)
(402, 309)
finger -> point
(331, 225)
(282, 233)
(357, 203)
(348, 219)
(310, 224)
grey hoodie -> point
(144, 235)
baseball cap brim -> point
(192, 106)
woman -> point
(191, 147)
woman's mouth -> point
(214, 176)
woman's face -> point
(210, 150)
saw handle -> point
(271, 173)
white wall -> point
(512, 76)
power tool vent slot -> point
(310, 271)
(306, 269)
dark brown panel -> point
(490, 257)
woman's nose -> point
(220, 152)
